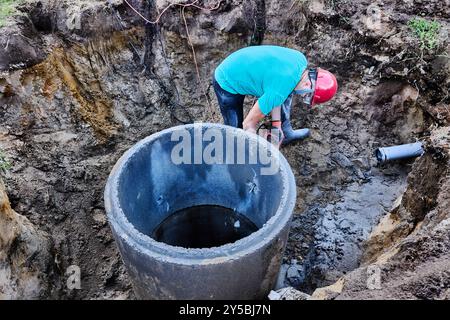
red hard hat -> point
(326, 86)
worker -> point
(273, 74)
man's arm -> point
(252, 119)
(277, 132)
(276, 114)
(255, 115)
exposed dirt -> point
(25, 258)
(82, 81)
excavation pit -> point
(201, 227)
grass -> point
(427, 32)
(4, 163)
(7, 9)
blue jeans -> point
(231, 106)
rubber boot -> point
(290, 134)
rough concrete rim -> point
(178, 255)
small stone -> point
(288, 293)
(273, 295)
(293, 273)
(99, 217)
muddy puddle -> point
(332, 236)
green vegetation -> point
(7, 9)
(426, 31)
(4, 163)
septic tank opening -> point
(203, 226)
(198, 205)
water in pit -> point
(203, 226)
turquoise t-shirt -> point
(267, 72)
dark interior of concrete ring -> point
(203, 227)
(152, 188)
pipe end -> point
(380, 155)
